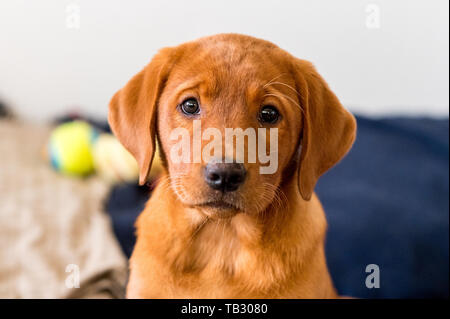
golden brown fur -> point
(271, 244)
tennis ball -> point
(112, 161)
(115, 164)
(70, 148)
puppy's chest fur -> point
(229, 253)
(234, 258)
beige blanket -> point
(55, 239)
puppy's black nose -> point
(226, 177)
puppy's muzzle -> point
(226, 177)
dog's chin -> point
(218, 209)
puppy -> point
(217, 227)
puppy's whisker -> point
(279, 195)
(287, 85)
(196, 231)
(176, 184)
(286, 97)
(258, 204)
(199, 227)
(271, 81)
(164, 183)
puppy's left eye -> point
(190, 107)
(269, 114)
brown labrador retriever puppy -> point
(222, 229)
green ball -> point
(70, 148)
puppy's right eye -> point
(190, 107)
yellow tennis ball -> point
(112, 161)
(115, 164)
(70, 148)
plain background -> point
(58, 55)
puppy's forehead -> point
(230, 60)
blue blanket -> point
(387, 203)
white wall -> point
(47, 67)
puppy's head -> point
(201, 99)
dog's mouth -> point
(219, 204)
(219, 209)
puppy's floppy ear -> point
(132, 111)
(328, 129)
